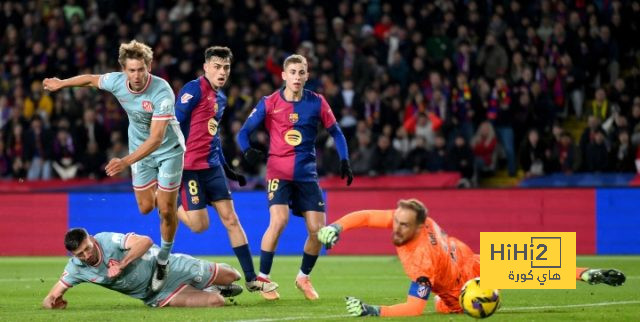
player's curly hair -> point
(74, 237)
(417, 206)
(135, 50)
(218, 51)
(294, 59)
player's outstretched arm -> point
(54, 84)
(158, 129)
(54, 299)
(329, 235)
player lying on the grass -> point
(433, 261)
(199, 110)
(156, 145)
(125, 263)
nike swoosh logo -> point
(276, 111)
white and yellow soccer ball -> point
(477, 302)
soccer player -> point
(292, 115)
(156, 145)
(433, 261)
(125, 263)
(199, 110)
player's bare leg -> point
(314, 220)
(196, 220)
(278, 219)
(192, 297)
(146, 199)
(240, 244)
(167, 208)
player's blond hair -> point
(135, 50)
(294, 59)
(417, 206)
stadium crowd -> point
(417, 86)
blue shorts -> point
(202, 187)
(300, 196)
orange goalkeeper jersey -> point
(432, 254)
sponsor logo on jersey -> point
(168, 175)
(147, 106)
(185, 98)
(293, 137)
(293, 118)
(213, 126)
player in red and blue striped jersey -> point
(292, 115)
(199, 108)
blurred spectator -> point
(600, 105)
(533, 155)
(93, 161)
(402, 143)
(597, 154)
(361, 155)
(492, 58)
(5, 162)
(417, 159)
(588, 137)
(461, 158)
(38, 151)
(623, 154)
(502, 115)
(564, 154)
(438, 155)
(64, 156)
(385, 159)
(90, 130)
(484, 144)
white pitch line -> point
(303, 317)
(504, 309)
(527, 308)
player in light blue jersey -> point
(125, 263)
(156, 144)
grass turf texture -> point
(24, 281)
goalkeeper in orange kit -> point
(433, 261)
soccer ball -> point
(477, 302)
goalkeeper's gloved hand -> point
(329, 235)
(235, 176)
(356, 307)
(253, 156)
(345, 170)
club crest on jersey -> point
(213, 126)
(293, 118)
(147, 106)
(195, 200)
(185, 98)
(271, 195)
(293, 137)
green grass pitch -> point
(24, 281)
